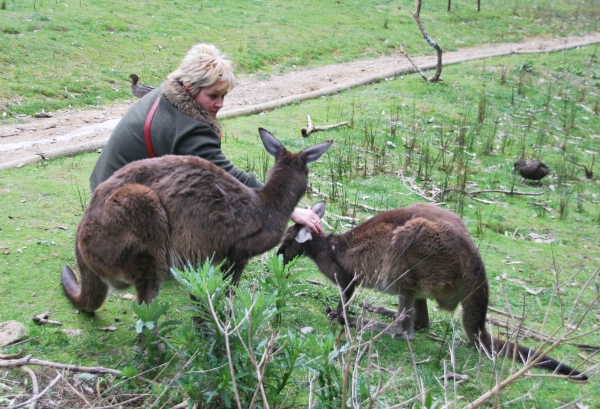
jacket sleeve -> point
(204, 142)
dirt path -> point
(78, 130)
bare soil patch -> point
(71, 129)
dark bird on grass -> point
(141, 89)
(532, 169)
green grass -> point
(546, 106)
(55, 55)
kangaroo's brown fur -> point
(416, 252)
(159, 213)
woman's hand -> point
(308, 218)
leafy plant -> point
(278, 283)
(326, 372)
(151, 333)
(243, 337)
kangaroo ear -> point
(272, 145)
(319, 208)
(303, 235)
(314, 152)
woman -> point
(180, 118)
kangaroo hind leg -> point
(406, 315)
(421, 314)
(134, 240)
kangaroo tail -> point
(524, 354)
(90, 295)
(474, 313)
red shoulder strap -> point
(147, 136)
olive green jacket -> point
(179, 127)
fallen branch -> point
(34, 384)
(506, 192)
(314, 282)
(519, 330)
(486, 201)
(585, 346)
(413, 189)
(28, 360)
(308, 129)
(542, 205)
(379, 309)
(42, 319)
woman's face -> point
(211, 98)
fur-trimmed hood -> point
(177, 96)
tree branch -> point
(308, 129)
(28, 360)
(438, 71)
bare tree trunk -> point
(438, 71)
(449, 5)
(478, 5)
(418, 8)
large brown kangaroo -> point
(159, 213)
(416, 252)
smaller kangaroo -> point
(416, 252)
(164, 212)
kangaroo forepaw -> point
(335, 316)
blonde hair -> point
(203, 66)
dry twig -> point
(34, 384)
(589, 173)
(76, 392)
(28, 360)
(308, 129)
(43, 319)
